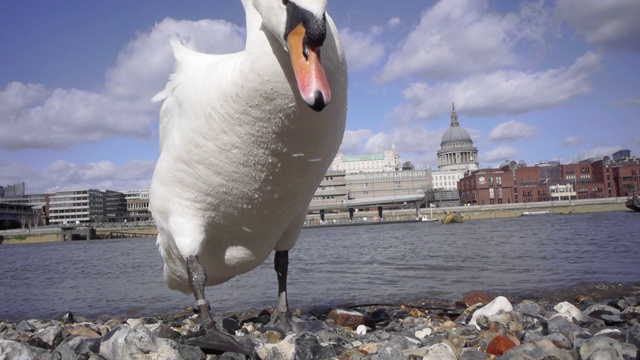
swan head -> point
(301, 28)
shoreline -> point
(479, 212)
(468, 328)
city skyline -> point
(531, 81)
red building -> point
(487, 186)
(551, 181)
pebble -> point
(477, 327)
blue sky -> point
(531, 80)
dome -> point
(456, 134)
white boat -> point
(541, 212)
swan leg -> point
(281, 318)
(210, 336)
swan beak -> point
(310, 76)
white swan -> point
(245, 140)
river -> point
(534, 256)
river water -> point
(536, 256)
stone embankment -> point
(472, 329)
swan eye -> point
(285, 2)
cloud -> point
(611, 24)
(393, 22)
(458, 38)
(572, 140)
(501, 92)
(66, 117)
(361, 48)
(510, 131)
(596, 153)
(632, 101)
(499, 154)
(61, 175)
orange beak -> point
(310, 76)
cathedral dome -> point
(456, 134)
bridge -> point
(396, 201)
(14, 216)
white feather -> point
(231, 184)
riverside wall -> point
(477, 212)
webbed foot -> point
(211, 338)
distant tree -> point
(407, 166)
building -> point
(457, 152)
(76, 206)
(549, 181)
(487, 186)
(138, 205)
(385, 185)
(456, 157)
(385, 161)
(12, 190)
(332, 189)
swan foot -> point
(211, 338)
(285, 323)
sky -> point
(531, 80)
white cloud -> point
(572, 140)
(461, 37)
(361, 48)
(632, 101)
(61, 175)
(501, 92)
(393, 22)
(510, 131)
(65, 117)
(596, 152)
(611, 24)
(498, 155)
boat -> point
(633, 202)
(541, 212)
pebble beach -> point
(478, 326)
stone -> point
(231, 324)
(13, 350)
(492, 311)
(387, 353)
(473, 355)
(84, 331)
(531, 309)
(542, 349)
(439, 351)
(352, 319)
(563, 326)
(499, 345)
(25, 326)
(125, 342)
(601, 348)
(369, 348)
(67, 317)
(569, 311)
(633, 335)
(52, 336)
(476, 298)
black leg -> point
(281, 319)
(210, 337)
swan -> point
(245, 139)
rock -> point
(125, 342)
(601, 348)
(231, 324)
(52, 336)
(476, 298)
(499, 345)
(539, 350)
(67, 317)
(387, 353)
(492, 311)
(297, 347)
(633, 335)
(25, 326)
(439, 351)
(13, 350)
(563, 326)
(352, 319)
(84, 331)
(569, 311)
